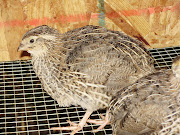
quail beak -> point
(21, 47)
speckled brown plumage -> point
(85, 66)
(151, 105)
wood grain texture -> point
(138, 22)
(155, 22)
(11, 11)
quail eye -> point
(32, 41)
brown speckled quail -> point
(151, 105)
(85, 66)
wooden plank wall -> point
(155, 22)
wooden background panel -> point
(11, 11)
(4, 53)
(61, 14)
(158, 21)
(155, 22)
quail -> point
(85, 66)
(151, 105)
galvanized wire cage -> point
(26, 109)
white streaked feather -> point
(48, 37)
(95, 85)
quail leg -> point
(76, 127)
(105, 121)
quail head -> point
(151, 105)
(85, 66)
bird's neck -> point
(48, 62)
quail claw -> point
(105, 121)
(75, 127)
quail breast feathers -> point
(85, 66)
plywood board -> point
(155, 22)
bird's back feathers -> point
(150, 105)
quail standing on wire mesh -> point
(151, 105)
(85, 66)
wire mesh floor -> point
(26, 109)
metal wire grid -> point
(163, 56)
(26, 109)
